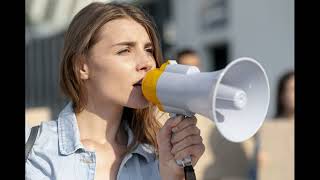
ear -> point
(84, 69)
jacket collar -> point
(69, 136)
(68, 132)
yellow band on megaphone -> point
(164, 65)
(149, 85)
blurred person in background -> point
(188, 57)
(284, 111)
(285, 97)
(109, 130)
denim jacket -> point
(58, 154)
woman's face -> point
(117, 63)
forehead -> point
(123, 29)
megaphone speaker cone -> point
(245, 75)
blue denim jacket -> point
(59, 155)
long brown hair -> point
(81, 35)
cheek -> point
(111, 79)
(119, 78)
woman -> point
(109, 130)
(285, 97)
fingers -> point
(185, 123)
(177, 139)
(190, 130)
(164, 135)
(186, 142)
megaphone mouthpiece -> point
(229, 97)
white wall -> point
(185, 17)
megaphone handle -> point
(186, 163)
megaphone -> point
(236, 98)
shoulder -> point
(44, 150)
(46, 128)
(47, 136)
(46, 142)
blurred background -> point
(219, 31)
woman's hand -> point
(177, 139)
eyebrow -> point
(148, 44)
(131, 43)
(127, 43)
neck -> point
(100, 124)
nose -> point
(145, 63)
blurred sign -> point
(277, 145)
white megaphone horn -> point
(236, 98)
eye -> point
(123, 51)
(150, 50)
